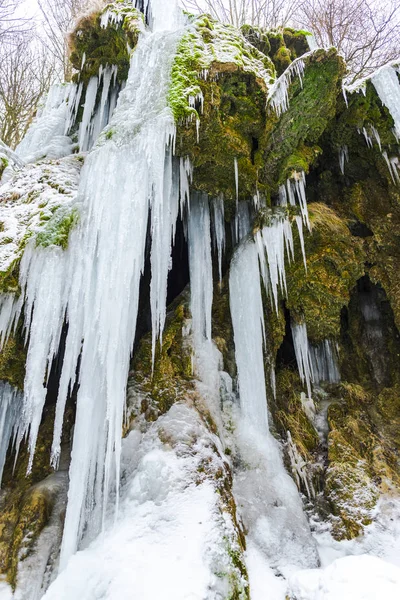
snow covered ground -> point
(367, 568)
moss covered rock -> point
(105, 38)
(335, 261)
(292, 139)
(13, 359)
(362, 462)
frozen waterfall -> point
(94, 285)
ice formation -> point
(219, 231)
(267, 496)
(387, 85)
(248, 326)
(343, 157)
(93, 287)
(47, 137)
(278, 95)
(324, 362)
(241, 224)
(302, 351)
(10, 409)
(94, 284)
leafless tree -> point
(25, 75)
(262, 13)
(10, 23)
(366, 32)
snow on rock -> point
(352, 577)
(34, 202)
(173, 538)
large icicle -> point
(266, 496)
(10, 409)
(324, 362)
(164, 215)
(200, 263)
(207, 360)
(301, 349)
(272, 242)
(386, 83)
(88, 110)
(248, 326)
(219, 231)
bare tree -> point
(262, 13)
(366, 32)
(25, 75)
(10, 23)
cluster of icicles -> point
(387, 85)
(131, 185)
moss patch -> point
(335, 261)
(95, 46)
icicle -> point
(299, 467)
(296, 188)
(367, 139)
(324, 362)
(73, 107)
(387, 85)
(301, 348)
(300, 184)
(311, 41)
(392, 164)
(200, 262)
(377, 137)
(164, 214)
(299, 224)
(344, 157)
(185, 176)
(235, 164)
(278, 95)
(10, 410)
(242, 223)
(46, 136)
(248, 327)
(344, 92)
(271, 244)
(106, 76)
(219, 231)
(90, 101)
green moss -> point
(289, 414)
(13, 360)
(311, 107)
(98, 46)
(258, 37)
(362, 456)
(9, 279)
(282, 59)
(216, 48)
(25, 504)
(335, 261)
(58, 227)
(3, 165)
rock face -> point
(257, 117)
